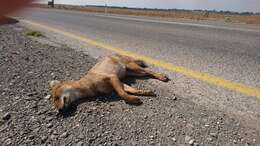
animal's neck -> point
(85, 87)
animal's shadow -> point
(7, 20)
(102, 98)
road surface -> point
(231, 53)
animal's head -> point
(63, 94)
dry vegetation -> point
(179, 14)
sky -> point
(231, 5)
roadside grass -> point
(35, 34)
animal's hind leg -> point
(134, 91)
(127, 60)
(135, 69)
(119, 88)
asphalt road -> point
(228, 52)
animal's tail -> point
(141, 63)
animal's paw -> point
(149, 93)
(164, 78)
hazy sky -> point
(232, 5)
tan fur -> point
(104, 78)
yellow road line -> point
(250, 91)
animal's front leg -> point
(119, 88)
(132, 90)
(159, 76)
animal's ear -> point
(54, 83)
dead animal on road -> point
(104, 78)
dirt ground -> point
(28, 118)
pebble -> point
(52, 74)
(54, 132)
(6, 116)
(91, 140)
(49, 125)
(31, 137)
(53, 137)
(234, 141)
(44, 138)
(191, 142)
(8, 141)
(174, 139)
(36, 130)
(80, 143)
(213, 134)
(187, 138)
(47, 97)
(209, 139)
(49, 118)
(31, 94)
(50, 131)
(64, 135)
(81, 136)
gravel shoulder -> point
(28, 118)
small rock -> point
(91, 140)
(36, 130)
(50, 130)
(47, 97)
(134, 143)
(16, 97)
(80, 143)
(31, 136)
(6, 116)
(234, 141)
(174, 139)
(49, 118)
(196, 144)
(44, 138)
(64, 135)
(49, 125)
(191, 142)
(8, 141)
(94, 108)
(31, 94)
(187, 138)
(209, 139)
(213, 134)
(54, 132)
(151, 137)
(81, 136)
(53, 137)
